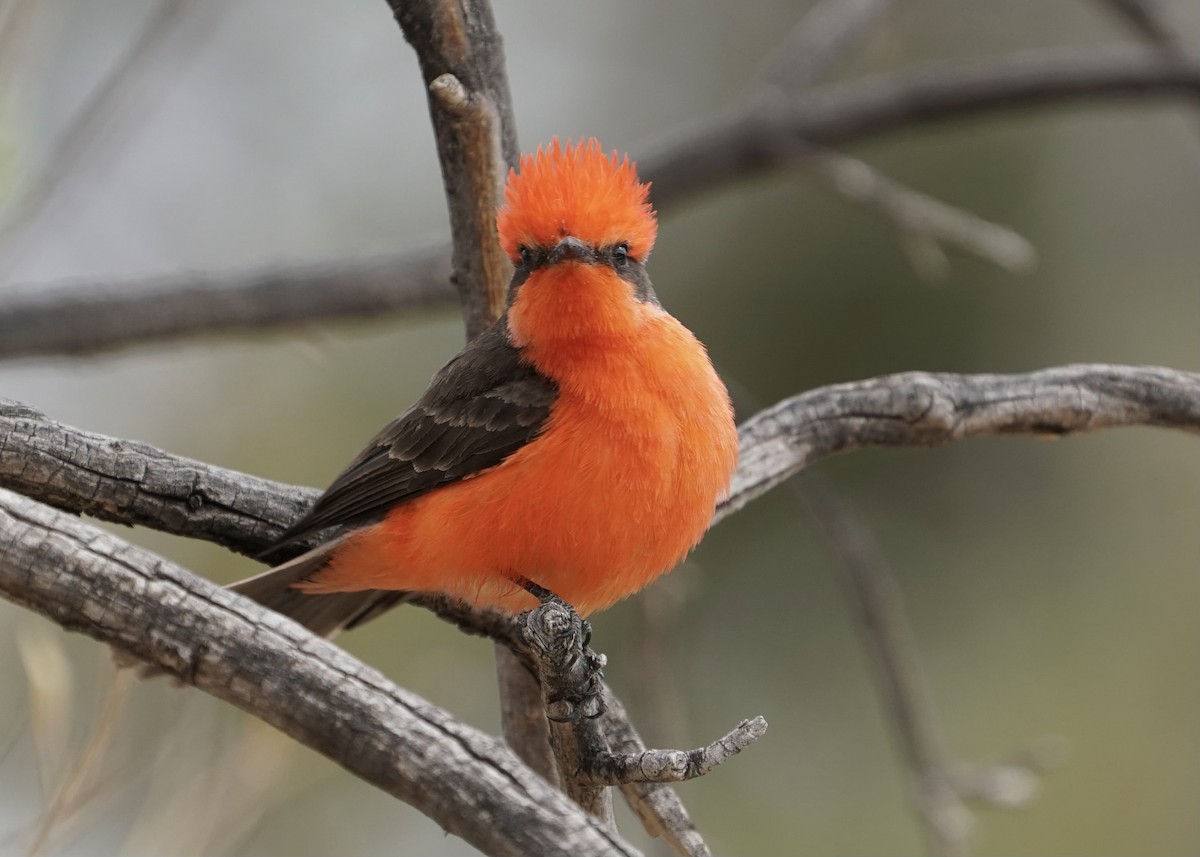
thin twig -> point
(658, 806)
(822, 37)
(673, 766)
(920, 217)
(873, 590)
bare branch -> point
(821, 37)
(78, 317)
(569, 674)
(462, 63)
(134, 483)
(470, 783)
(463, 66)
(740, 144)
(931, 409)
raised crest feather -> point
(576, 190)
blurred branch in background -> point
(823, 36)
(743, 143)
(174, 34)
(940, 787)
(693, 161)
(85, 317)
(924, 224)
(1150, 19)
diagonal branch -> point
(470, 783)
(873, 590)
(739, 144)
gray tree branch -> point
(470, 783)
(83, 317)
(920, 409)
(742, 143)
(130, 482)
(462, 64)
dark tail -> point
(324, 615)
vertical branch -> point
(462, 63)
(522, 715)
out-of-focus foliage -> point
(1052, 586)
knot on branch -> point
(923, 401)
(451, 93)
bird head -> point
(577, 226)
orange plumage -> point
(631, 438)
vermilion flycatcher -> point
(580, 443)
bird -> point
(578, 446)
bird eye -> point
(526, 255)
(621, 254)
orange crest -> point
(579, 191)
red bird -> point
(580, 443)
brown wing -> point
(480, 408)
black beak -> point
(571, 248)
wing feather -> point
(480, 408)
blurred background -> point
(1052, 587)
